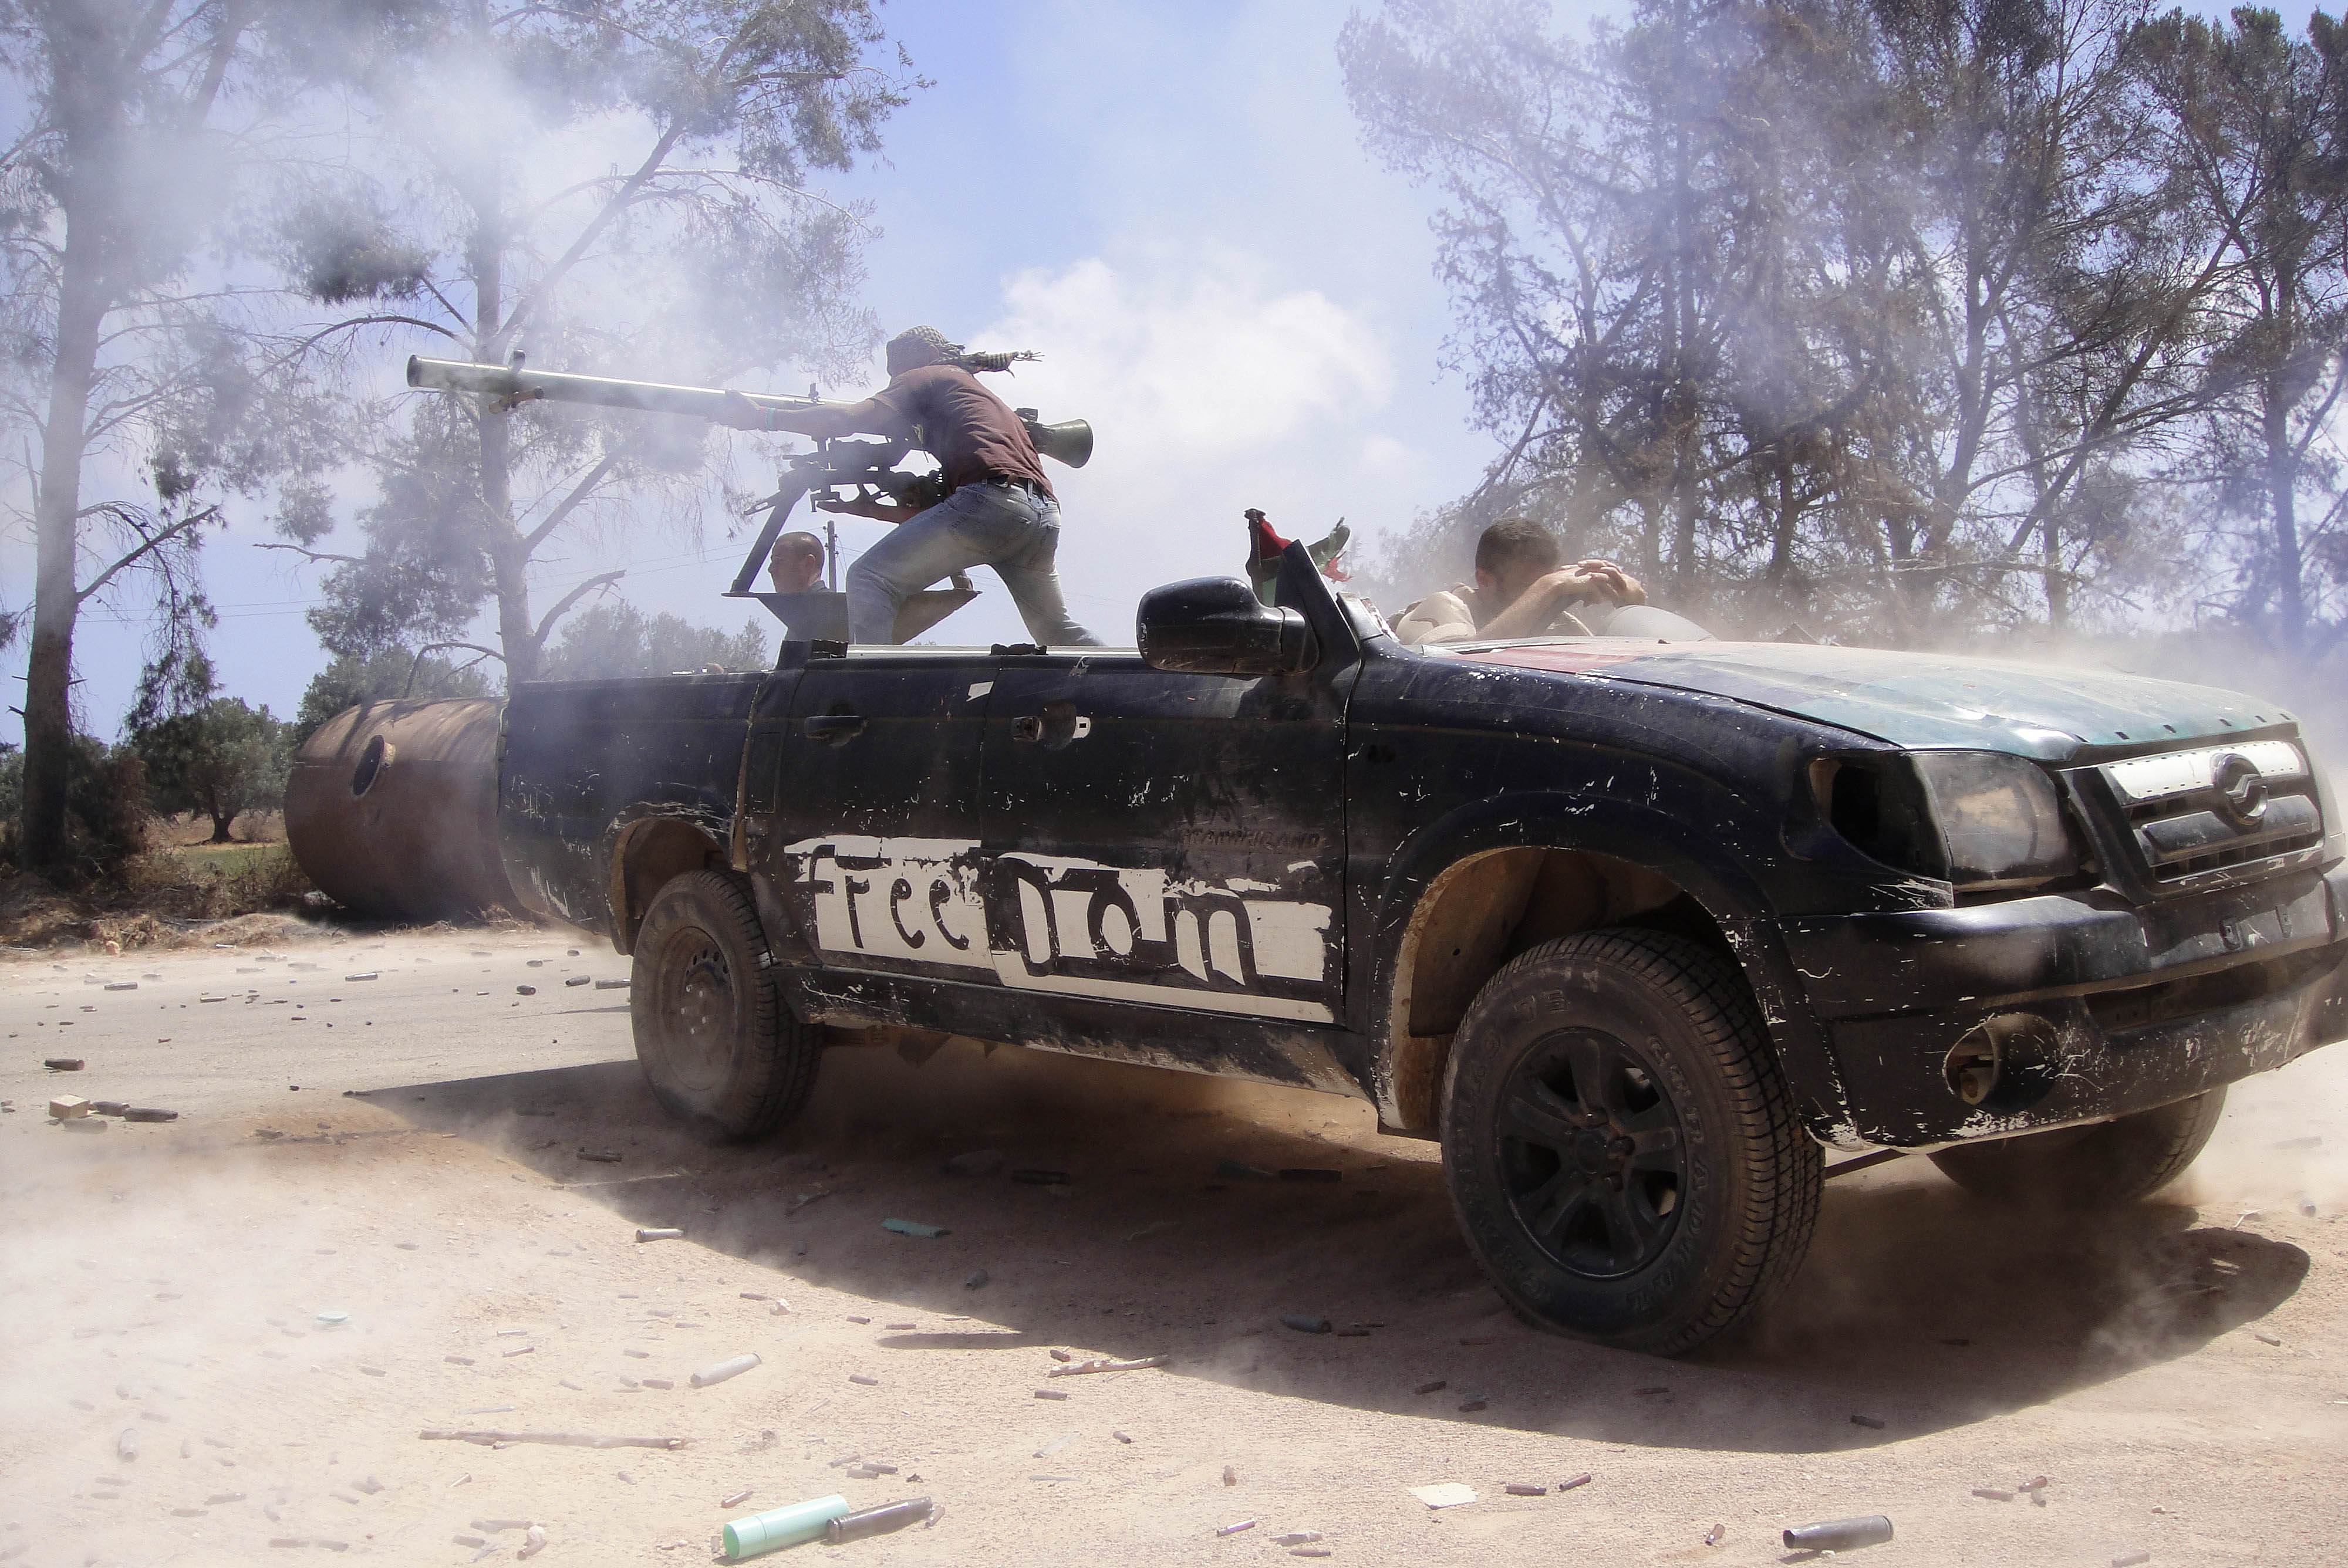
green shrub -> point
(106, 807)
(218, 760)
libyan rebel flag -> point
(1265, 545)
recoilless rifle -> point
(866, 468)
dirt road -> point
(2175, 1372)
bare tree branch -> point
(310, 555)
(593, 584)
(357, 322)
(436, 647)
(570, 503)
(148, 543)
(554, 274)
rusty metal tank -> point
(392, 810)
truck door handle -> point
(833, 727)
(1062, 727)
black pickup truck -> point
(1638, 929)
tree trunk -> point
(92, 116)
(2050, 564)
(219, 827)
(1899, 602)
(1651, 539)
(49, 686)
(502, 542)
(2282, 499)
(1788, 524)
(509, 554)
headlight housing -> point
(1984, 820)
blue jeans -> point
(1007, 526)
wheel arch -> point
(648, 850)
(1472, 890)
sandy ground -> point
(2176, 1371)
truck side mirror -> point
(1217, 626)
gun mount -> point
(867, 468)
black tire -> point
(1621, 1147)
(2105, 1166)
(717, 1042)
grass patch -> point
(172, 896)
(227, 859)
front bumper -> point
(2104, 1009)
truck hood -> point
(1919, 700)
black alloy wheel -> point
(1590, 1153)
(1621, 1144)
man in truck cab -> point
(796, 563)
(999, 510)
(1520, 590)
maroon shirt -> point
(970, 431)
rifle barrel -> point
(502, 381)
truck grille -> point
(2217, 808)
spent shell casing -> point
(877, 1521)
(732, 1367)
(1839, 1534)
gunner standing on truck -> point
(1519, 590)
(999, 510)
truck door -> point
(875, 839)
(1167, 840)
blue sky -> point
(1173, 204)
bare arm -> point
(1535, 608)
(871, 417)
(1581, 583)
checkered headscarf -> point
(943, 350)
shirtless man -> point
(1518, 589)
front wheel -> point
(716, 1041)
(1622, 1146)
(2103, 1166)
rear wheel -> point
(716, 1041)
(2098, 1167)
(1621, 1147)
